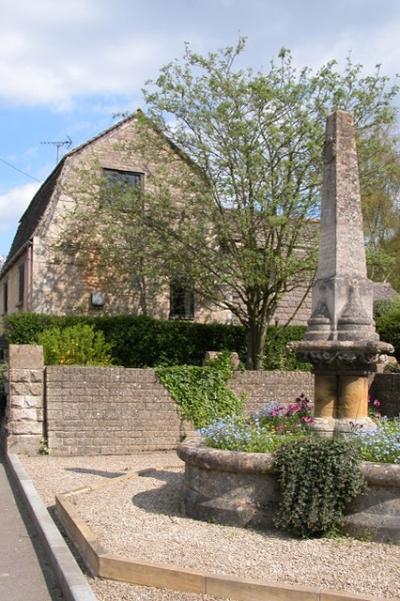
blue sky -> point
(67, 67)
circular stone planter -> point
(240, 489)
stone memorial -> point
(341, 342)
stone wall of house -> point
(62, 282)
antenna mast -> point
(67, 143)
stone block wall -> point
(386, 388)
(111, 410)
(108, 410)
(264, 386)
(25, 392)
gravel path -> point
(140, 518)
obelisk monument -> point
(341, 341)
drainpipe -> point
(28, 299)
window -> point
(181, 302)
(122, 187)
(21, 283)
(5, 298)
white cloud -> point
(13, 204)
(52, 51)
(55, 53)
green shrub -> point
(318, 478)
(3, 367)
(74, 345)
(276, 355)
(381, 307)
(388, 326)
(202, 393)
(139, 341)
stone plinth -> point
(240, 489)
(341, 372)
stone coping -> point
(367, 346)
(104, 564)
(69, 576)
(194, 452)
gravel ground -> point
(140, 518)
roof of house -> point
(384, 291)
(37, 206)
(34, 212)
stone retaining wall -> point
(386, 388)
(263, 386)
(108, 410)
(111, 410)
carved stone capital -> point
(334, 356)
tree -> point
(233, 211)
(380, 193)
(242, 232)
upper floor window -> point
(21, 283)
(181, 302)
(5, 297)
(122, 187)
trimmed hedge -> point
(139, 341)
(388, 326)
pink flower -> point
(377, 404)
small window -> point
(181, 302)
(5, 298)
(21, 283)
(122, 187)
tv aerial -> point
(59, 144)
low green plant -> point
(3, 367)
(202, 393)
(44, 447)
(318, 478)
(240, 433)
(74, 345)
(381, 445)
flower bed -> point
(240, 489)
(231, 476)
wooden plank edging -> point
(143, 573)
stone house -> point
(31, 279)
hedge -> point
(139, 341)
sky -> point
(66, 68)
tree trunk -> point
(255, 340)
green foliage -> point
(388, 326)
(276, 355)
(3, 367)
(257, 139)
(318, 478)
(202, 393)
(381, 307)
(240, 433)
(139, 341)
(74, 345)
(381, 445)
